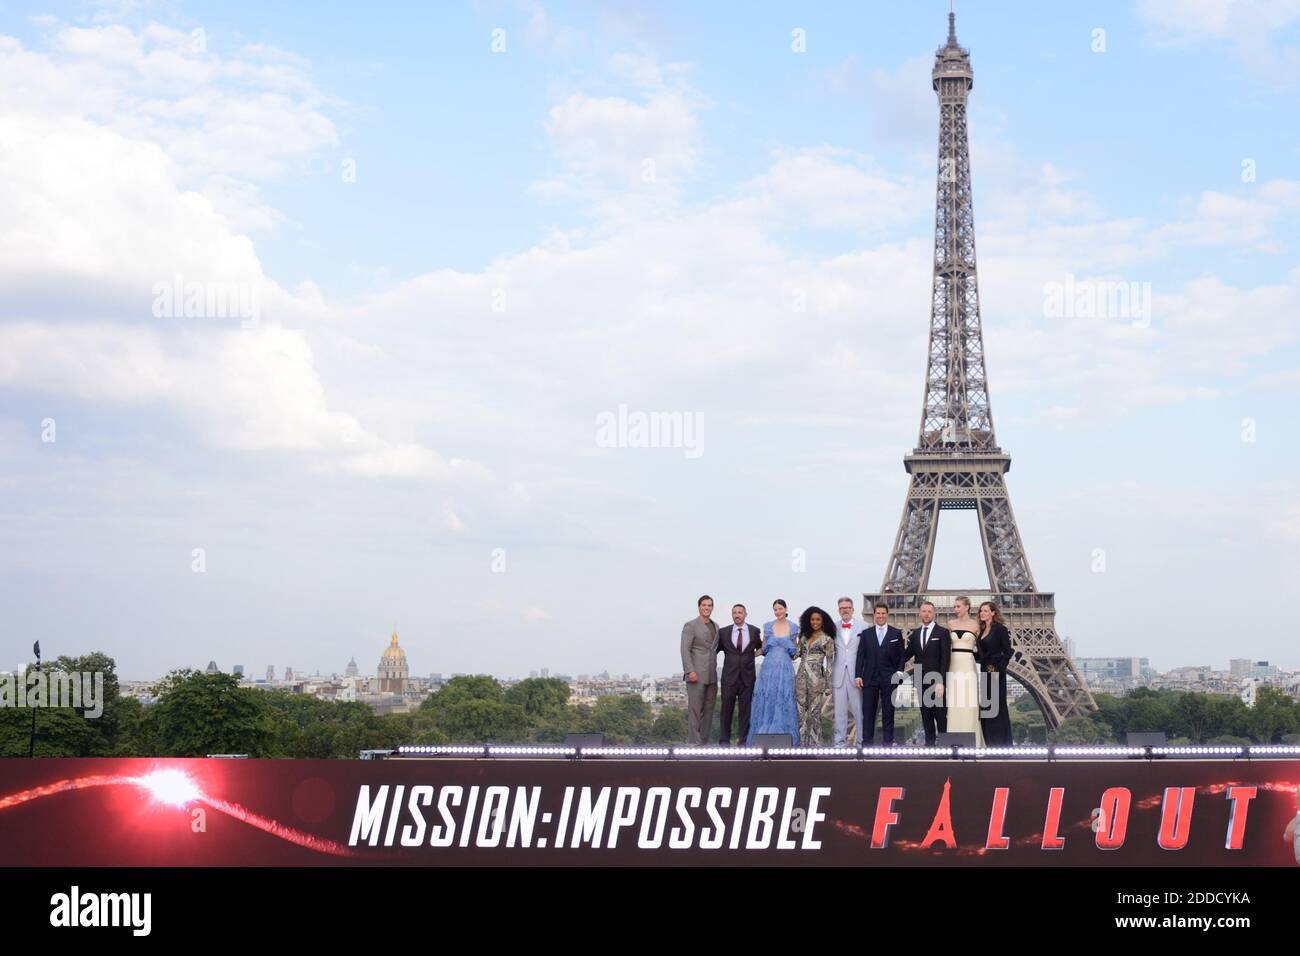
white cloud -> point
(99, 221)
(252, 390)
(1248, 28)
(221, 119)
(1246, 220)
(828, 187)
(625, 154)
(87, 204)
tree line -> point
(196, 713)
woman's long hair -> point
(805, 622)
(997, 617)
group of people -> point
(816, 662)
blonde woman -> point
(961, 689)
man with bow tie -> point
(930, 646)
(846, 688)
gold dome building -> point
(393, 669)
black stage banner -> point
(537, 812)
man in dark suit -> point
(737, 643)
(930, 646)
(880, 658)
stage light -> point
(1099, 751)
(625, 752)
(532, 751)
(1278, 749)
(172, 787)
(1220, 751)
(441, 750)
(844, 753)
(936, 752)
(981, 752)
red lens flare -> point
(175, 788)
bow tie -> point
(846, 623)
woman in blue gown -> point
(773, 709)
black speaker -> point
(1145, 739)
(964, 739)
(584, 740)
(773, 740)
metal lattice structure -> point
(957, 463)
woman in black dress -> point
(993, 655)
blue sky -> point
(356, 459)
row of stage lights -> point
(1064, 752)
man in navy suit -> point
(880, 658)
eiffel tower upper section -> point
(957, 463)
(956, 416)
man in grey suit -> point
(846, 689)
(700, 667)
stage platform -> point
(890, 754)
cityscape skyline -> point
(593, 671)
(537, 340)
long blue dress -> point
(772, 710)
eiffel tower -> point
(957, 463)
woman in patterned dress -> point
(812, 681)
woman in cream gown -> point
(961, 689)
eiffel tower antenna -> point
(957, 463)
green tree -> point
(137, 730)
(1274, 715)
(1193, 717)
(473, 710)
(66, 731)
(539, 696)
(623, 720)
(555, 725)
(670, 727)
(1081, 730)
(200, 714)
(1026, 704)
(484, 721)
(1028, 725)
